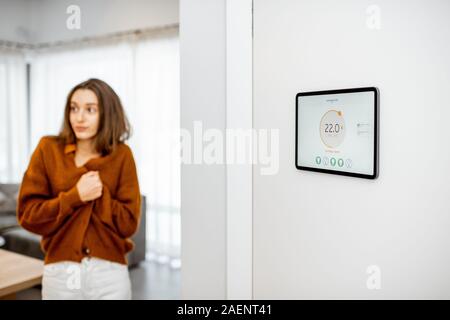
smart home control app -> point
(336, 132)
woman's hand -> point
(90, 186)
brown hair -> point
(113, 128)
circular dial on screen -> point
(332, 128)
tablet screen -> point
(337, 132)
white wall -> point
(14, 20)
(203, 187)
(239, 181)
(100, 17)
(315, 234)
(45, 20)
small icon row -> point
(332, 161)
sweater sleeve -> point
(122, 211)
(37, 209)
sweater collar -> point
(71, 147)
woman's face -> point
(84, 114)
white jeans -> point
(92, 279)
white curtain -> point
(13, 117)
(145, 74)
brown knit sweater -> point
(49, 203)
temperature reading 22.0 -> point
(332, 128)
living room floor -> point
(150, 281)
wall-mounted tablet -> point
(336, 132)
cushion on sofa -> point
(8, 197)
(7, 220)
(8, 194)
(21, 241)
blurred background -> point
(49, 46)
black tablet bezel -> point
(375, 136)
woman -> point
(81, 193)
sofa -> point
(19, 240)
